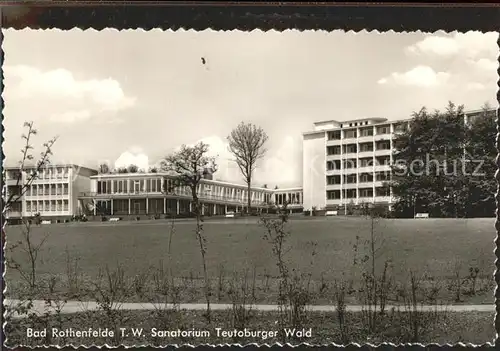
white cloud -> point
(421, 76)
(281, 166)
(468, 45)
(475, 86)
(134, 156)
(70, 99)
(485, 64)
(71, 116)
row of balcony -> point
(359, 200)
(40, 194)
(359, 139)
(361, 154)
(369, 169)
(367, 184)
(180, 194)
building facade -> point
(349, 163)
(53, 193)
(152, 194)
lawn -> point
(434, 246)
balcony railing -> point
(185, 194)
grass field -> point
(434, 246)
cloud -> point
(467, 45)
(485, 64)
(420, 76)
(71, 116)
(475, 86)
(282, 166)
(134, 156)
(68, 99)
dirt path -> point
(39, 307)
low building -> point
(137, 194)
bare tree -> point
(27, 157)
(246, 143)
(26, 244)
(187, 166)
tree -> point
(132, 169)
(481, 155)
(26, 244)
(34, 171)
(122, 170)
(187, 167)
(433, 160)
(103, 168)
(246, 143)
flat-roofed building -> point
(155, 194)
(350, 162)
(52, 193)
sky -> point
(134, 96)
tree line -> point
(444, 165)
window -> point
(350, 179)
(333, 194)
(366, 162)
(65, 189)
(366, 147)
(383, 161)
(350, 149)
(366, 132)
(349, 193)
(365, 177)
(383, 130)
(28, 206)
(334, 135)
(367, 192)
(65, 205)
(350, 163)
(382, 176)
(384, 145)
(333, 150)
(350, 133)
(334, 179)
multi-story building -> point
(154, 194)
(53, 193)
(350, 162)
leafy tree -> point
(132, 169)
(427, 172)
(103, 168)
(246, 143)
(187, 167)
(122, 170)
(481, 154)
